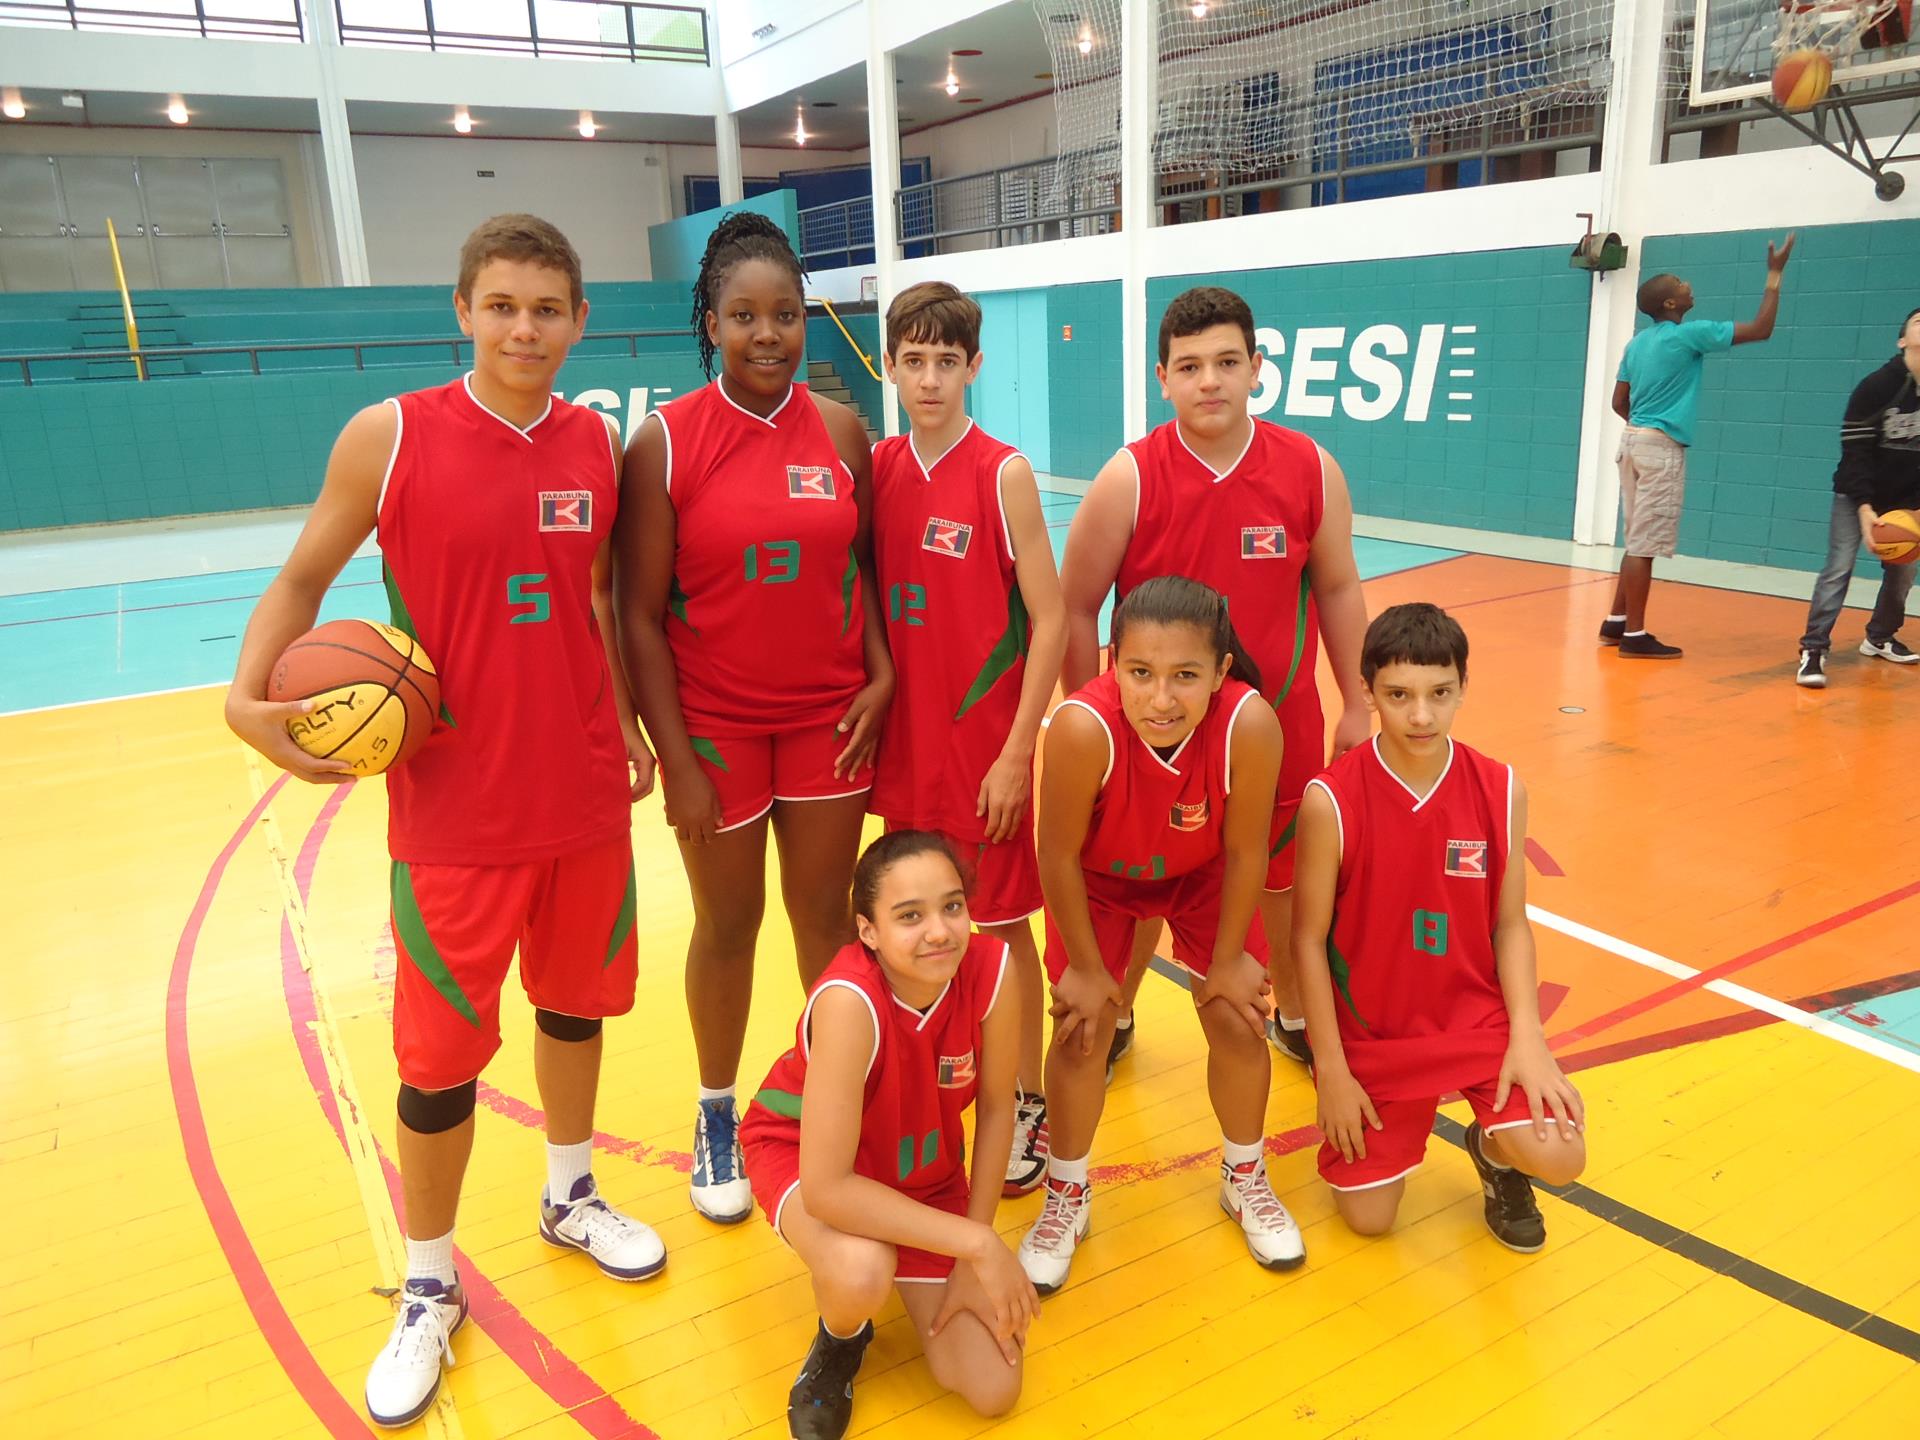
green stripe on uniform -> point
(708, 751)
(780, 1102)
(1007, 651)
(410, 929)
(1343, 978)
(847, 582)
(1299, 636)
(402, 619)
(623, 922)
(1286, 836)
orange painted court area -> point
(196, 1086)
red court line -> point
(543, 1362)
(276, 1327)
(1522, 594)
(1656, 998)
(1542, 861)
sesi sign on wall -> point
(1447, 386)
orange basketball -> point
(1896, 538)
(1801, 79)
(374, 693)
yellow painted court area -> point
(197, 1095)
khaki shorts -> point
(1653, 481)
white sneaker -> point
(1272, 1237)
(405, 1376)
(719, 1189)
(620, 1245)
(1027, 1163)
(1046, 1251)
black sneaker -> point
(1813, 670)
(1611, 631)
(1290, 1043)
(1513, 1215)
(1646, 647)
(1121, 1046)
(1889, 650)
(820, 1405)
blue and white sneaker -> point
(405, 1376)
(620, 1245)
(720, 1191)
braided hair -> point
(740, 236)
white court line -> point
(113, 699)
(1739, 994)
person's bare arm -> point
(638, 755)
(1345, 1111)
(1078, 754)
(1096, 543)
(642, 549)
(1623, 401)
(1529, 1064)
(1234, 976)
(1007, 785)
(868, 712)
(342, 518)
(1335, 579)
(1748, 332)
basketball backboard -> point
(1733, 49)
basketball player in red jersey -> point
(1155, 803)
(510, 828)
(976, 630)
(856, 1151)
(1415, 956)
(753, 636)
(1262, 515)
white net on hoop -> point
(1255, 89)
(1840, 27)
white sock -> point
(566, 1164)
(1616, 619)
(1286, 1024)
(431, 1259)
(835, 1334)
(1492, 1164)
(1240, 1154)
(1635, 634)
(1067, 1172)
(725, 1092)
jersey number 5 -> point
(779, 559)
(520, 593)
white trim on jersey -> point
(767, 419)
(1000, 498)
(666, 433)
(1178, 750)
(466, 383)
(1227, 747)
(926, 470)
(393, 458)
(1419, 800)
(613, 447)
(1253, 428)
(1100, 719)
(806, 1019)
(998, 980)
(1506, 854)
(931, 1010)
(1390, 1180)
(1321, 451)
(1134, 460)
(1339, 820)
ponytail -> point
(1176, 600)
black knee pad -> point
(430, 1112)
(571, 1028)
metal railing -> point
(1014, 205)
(458, 348)
(835, 233)
(567, 29)
(208, 19)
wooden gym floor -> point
(196, 1106)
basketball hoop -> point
(1841, 29)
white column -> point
(336, 148)
(1627, 155)
(1139, 183)
(883, 150)
(726, 153)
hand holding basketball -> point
(1894, 537)
(361, 694)
(263, 725)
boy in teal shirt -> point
(1658, 394)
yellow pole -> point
(827, 305)
(126, 303)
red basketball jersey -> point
(1247, 533)
(764, 619)
(1418, 899)
(956, 626)
(489, 534)
(922, 1074)
(1158, 817)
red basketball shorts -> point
(751, 770)
(1189, 904)
(1395, 1152)
(773, 1170)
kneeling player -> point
(1411, 902)
(1155, 804)
(855, 1150)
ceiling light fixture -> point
(1086, 40)
(1199, 9)
(11, 105)
(463, 121)
(800, 124)
(587, 128)
(953, 80)
(177, 110)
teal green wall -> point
(1760, 471)
(1086, 379)
(675, 246)
(1511, 464)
